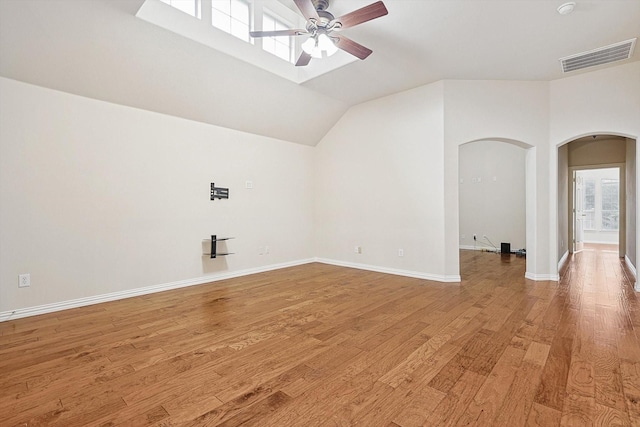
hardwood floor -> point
(331, 346)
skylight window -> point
(224, 25)
(278, 46)
(191, 7)
(231, 16)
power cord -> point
(494, 246)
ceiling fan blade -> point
(307, 9)
(303, 60)
(277, 33)
(354, 48)
(367, 13)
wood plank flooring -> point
(320, 345)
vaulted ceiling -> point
(99, 49)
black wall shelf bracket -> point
(214, 246)
(219, 192)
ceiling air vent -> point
(603, 55)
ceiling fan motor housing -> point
(321, 4)
(326, 18)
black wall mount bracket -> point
(214, 247)
(219, 192)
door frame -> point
(622, 204)
(576, 211)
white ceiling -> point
(98, 49)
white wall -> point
(517, 112)
(97, 198)
(492, 194)
(601, 102)
(606, 101)
(364, 196)
(369, 149)
(630, 202)
(380, 185)
(563, 202)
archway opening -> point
(492, 200)
(597, 197)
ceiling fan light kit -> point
(316, 45)
(321, 25)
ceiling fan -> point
(324, 29)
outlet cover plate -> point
(24, 280)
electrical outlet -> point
(266, 250)
(400, 252)
(248, 185)
(24, 280)
(358, 249)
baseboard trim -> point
(564, 259)
(397, 272)
(469, 248)
(114, 296)
(542, 277)
(479, 248)
(631, 266)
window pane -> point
(192, 7)
(231, 16)
(609, 220)
(609, 194)
(240, 11)
(223, 6)
(282, 50)
(240, 30)
(589, 194)
(589, 220)
(610, 197)
(221, 21)
(268, 23)
(279, 46)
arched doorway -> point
(493, 201)
(580, 211)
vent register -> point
(604, 55)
